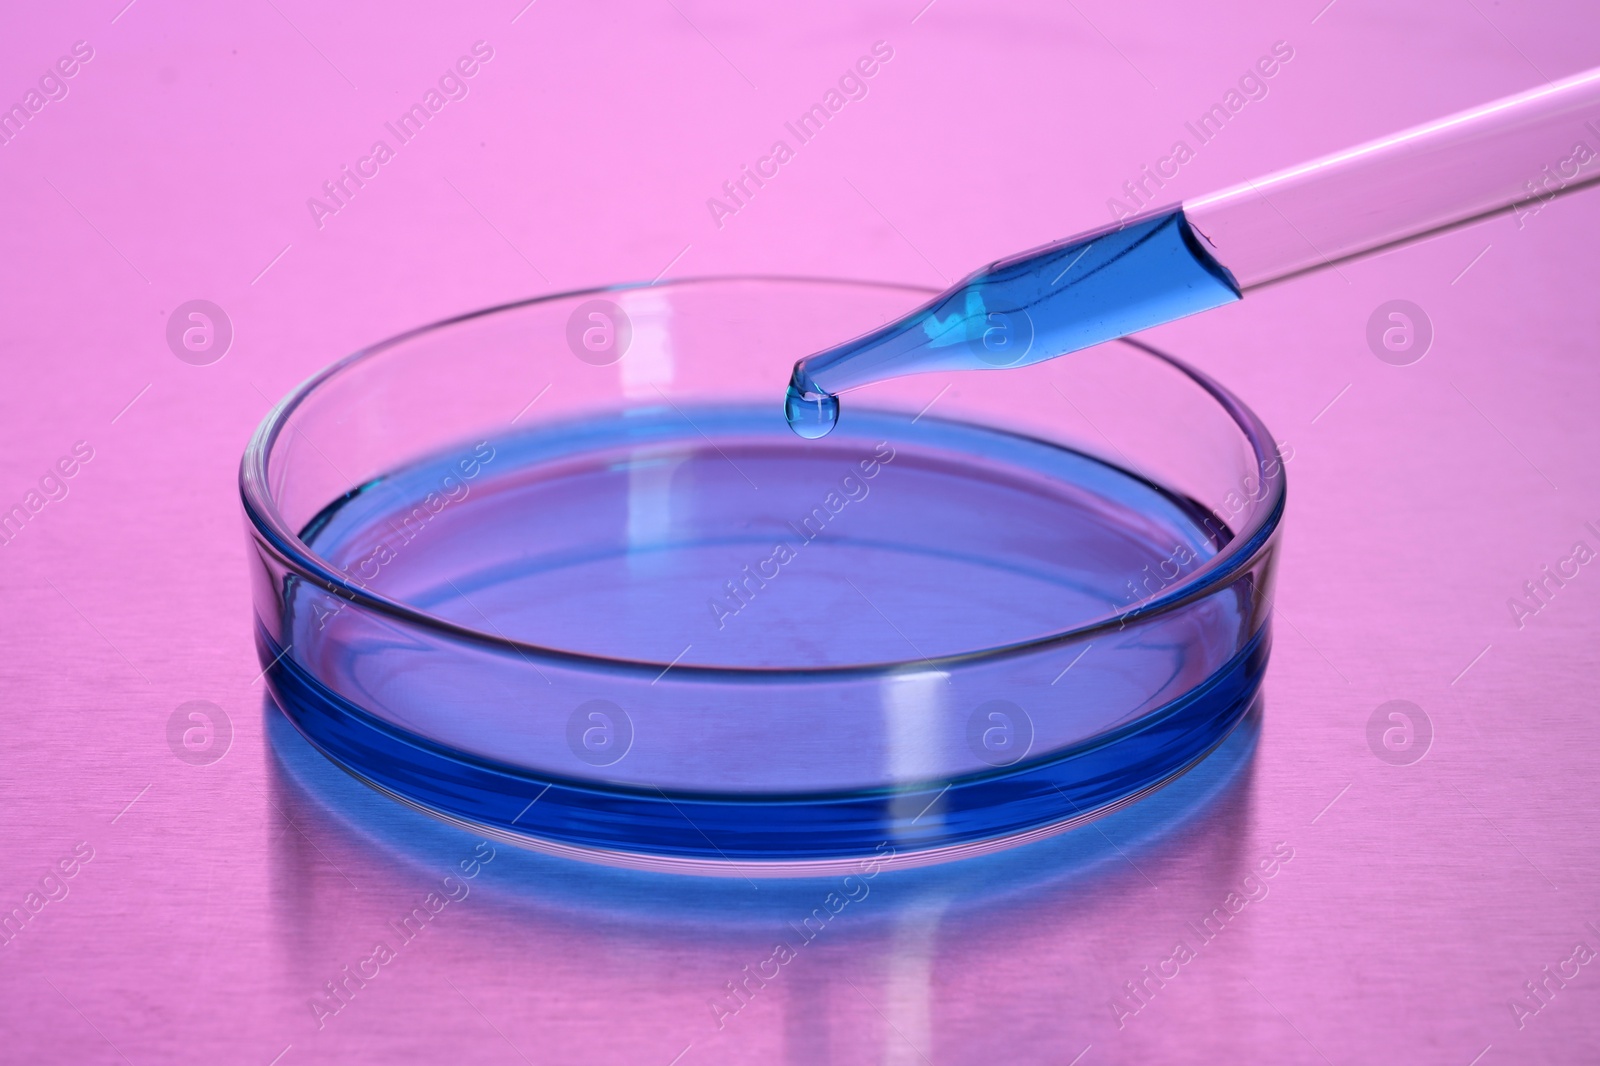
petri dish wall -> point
(559, 571)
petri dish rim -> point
(275, 534)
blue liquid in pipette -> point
(1026, 309)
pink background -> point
(217, 904)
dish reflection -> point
(553, 960)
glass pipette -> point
(1510, 155)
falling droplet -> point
(810, 414)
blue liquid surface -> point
(635, 537)
(638, 538)
(1026, 309)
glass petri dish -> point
(559, 571)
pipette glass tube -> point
(1510, 155)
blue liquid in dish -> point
(853, 582)
(1026, 309)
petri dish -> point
(558, 571)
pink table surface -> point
(220, 899)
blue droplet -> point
(810, 414)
